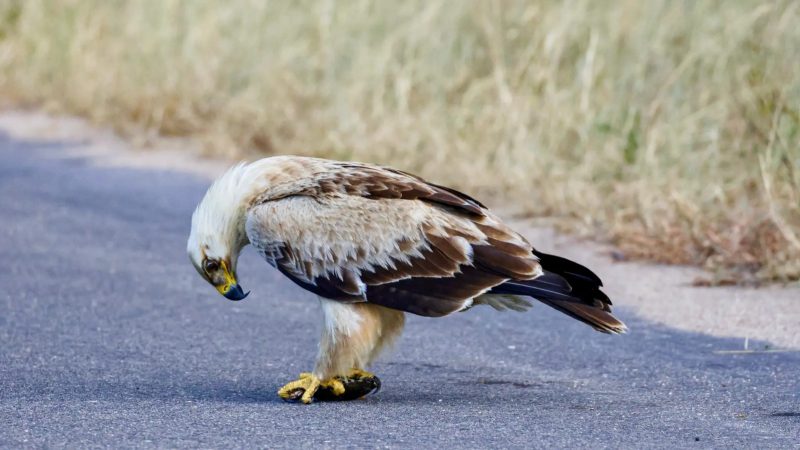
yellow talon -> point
(309, 384)
(335, 385)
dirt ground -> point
(659, 293)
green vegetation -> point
(671, 128)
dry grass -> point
(669, 127)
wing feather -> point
(354, 232)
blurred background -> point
(669, 128)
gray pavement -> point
(108, 338)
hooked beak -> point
(230, 288)
(234, 292)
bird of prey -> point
(375, 243)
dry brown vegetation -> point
(671, 128)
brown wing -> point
(363, 233)
(378, 182)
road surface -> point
(109, 338)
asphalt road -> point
(109, 338)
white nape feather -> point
(218, 223)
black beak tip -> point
(236, 293)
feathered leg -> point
(353, 334)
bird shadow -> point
(149, 389)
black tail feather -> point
(567, 268)
(570, 288)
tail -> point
(570, 288)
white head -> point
(218, 231)
(218, 224)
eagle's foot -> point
(307, 386)
(356, 384)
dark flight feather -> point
(570, 288)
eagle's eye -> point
(210, 266)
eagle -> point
(374, 243)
